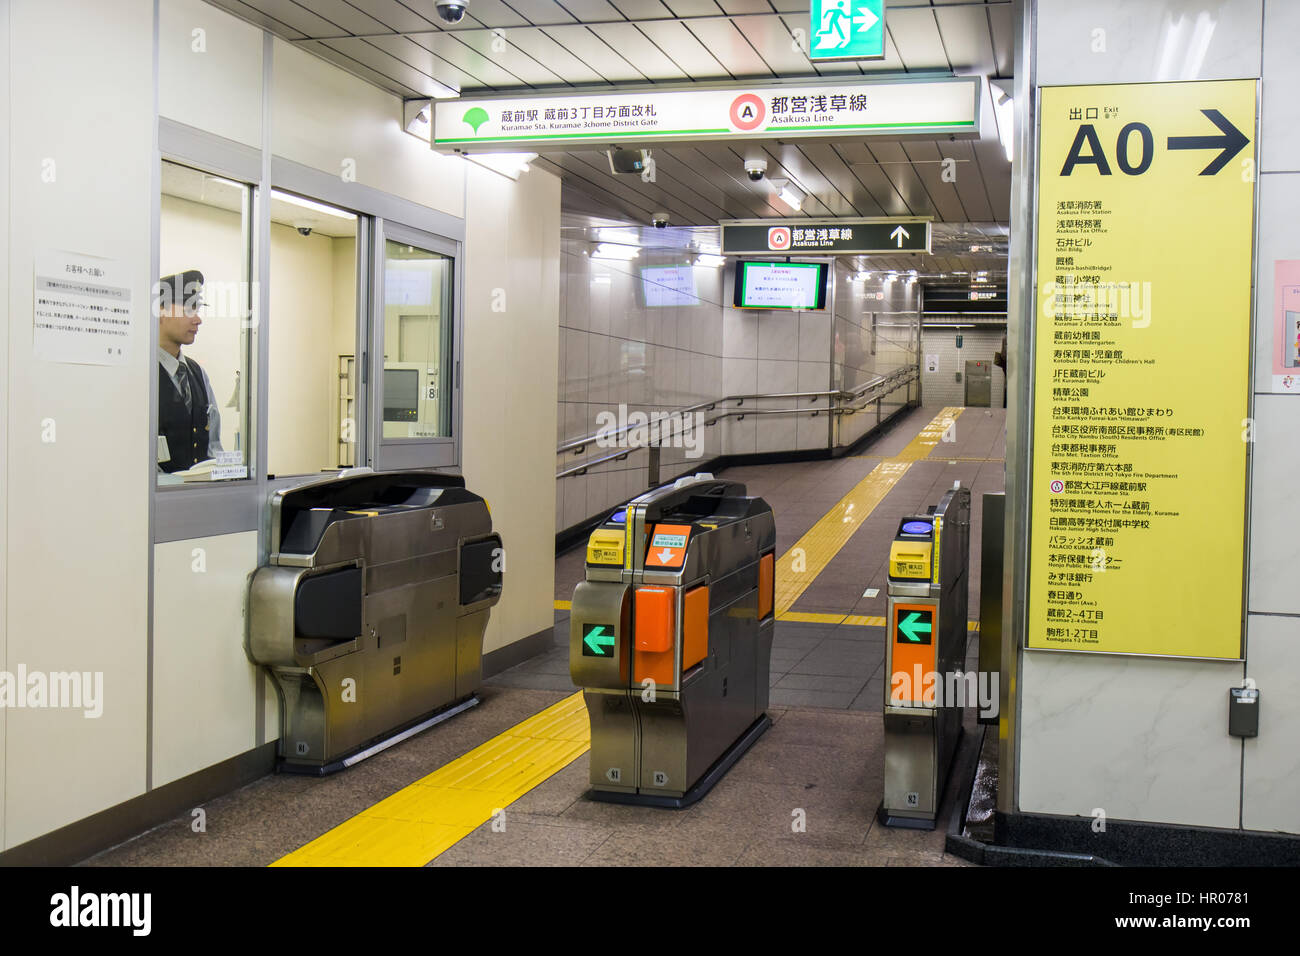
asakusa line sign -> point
(824, 109)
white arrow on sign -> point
(665, 555)
(900, 234)
(864, 20)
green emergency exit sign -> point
(846, 29)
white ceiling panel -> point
(295, 16)
(927, 163)
(386, 64)
(642, 9)
(510, 57)
(595, 53)
(683, 49)
(916, 35)
(540, 12)
(969, 182)
(554, 57)
(693, 8)
(775, 44)
(592, 11)
(966, 39)
(447, 53)
(398, 16)
(347, 17)
(635, 47)
(1001, 25)
(730, 47)
(745, 6)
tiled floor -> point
(804, 795)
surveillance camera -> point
(304, 228)
(755, 168)
(452, 11)
(659, 219)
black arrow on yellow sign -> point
(1231, 142)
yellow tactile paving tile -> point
(415, 824)
(798, 568)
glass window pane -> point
(203, 301)
(312, 324)
(416, 390)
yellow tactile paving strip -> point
(798, 568)
(422, 820)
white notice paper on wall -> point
(932, 361)
(81, 308)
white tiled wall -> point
(940, 388)
(614, 350)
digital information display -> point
(668, 541)
(669, 285)
(780, 285)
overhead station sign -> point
(741, 237)
(829, 108)
(1145, 222)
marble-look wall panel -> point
(1271, 779)
(1139, 738)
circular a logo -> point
(747, 112)
(1058, 486)
(778, 237)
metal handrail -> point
(858, 397)
(578, 445)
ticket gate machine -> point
(371, 610)
(928, 564)
(670, 638)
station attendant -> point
(189, 421)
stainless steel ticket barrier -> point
(371, 611)
(929, 561)
(670, 638)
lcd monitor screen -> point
(401, 394)
(668, 285)
(780, 285)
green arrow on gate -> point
(598, 640)
(912, 626)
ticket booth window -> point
(203, 303)
(417, 297)
(312, 327)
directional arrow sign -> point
(829, 237)
(847, 29)
(666, 555)
(1230, 143)
(913, 626)
(598, 640)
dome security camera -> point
(451, 11)
(304, 228)
(755, 169)
(659, 220)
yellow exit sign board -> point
(1145, 226)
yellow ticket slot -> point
(910, 559)
(605, 546)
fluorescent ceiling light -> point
(625, 236)
(313, 206)
(710, 262)
(791, 197)
(613, 250)
(510, 165)
(862, 276)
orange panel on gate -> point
(913, 663)
(654, 621)
(766, 579)
(695, 626)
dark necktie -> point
(183, 384)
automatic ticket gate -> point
(670, 638)
(371, 611)
(928, 564)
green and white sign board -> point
(846, 29)
(829, 108)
